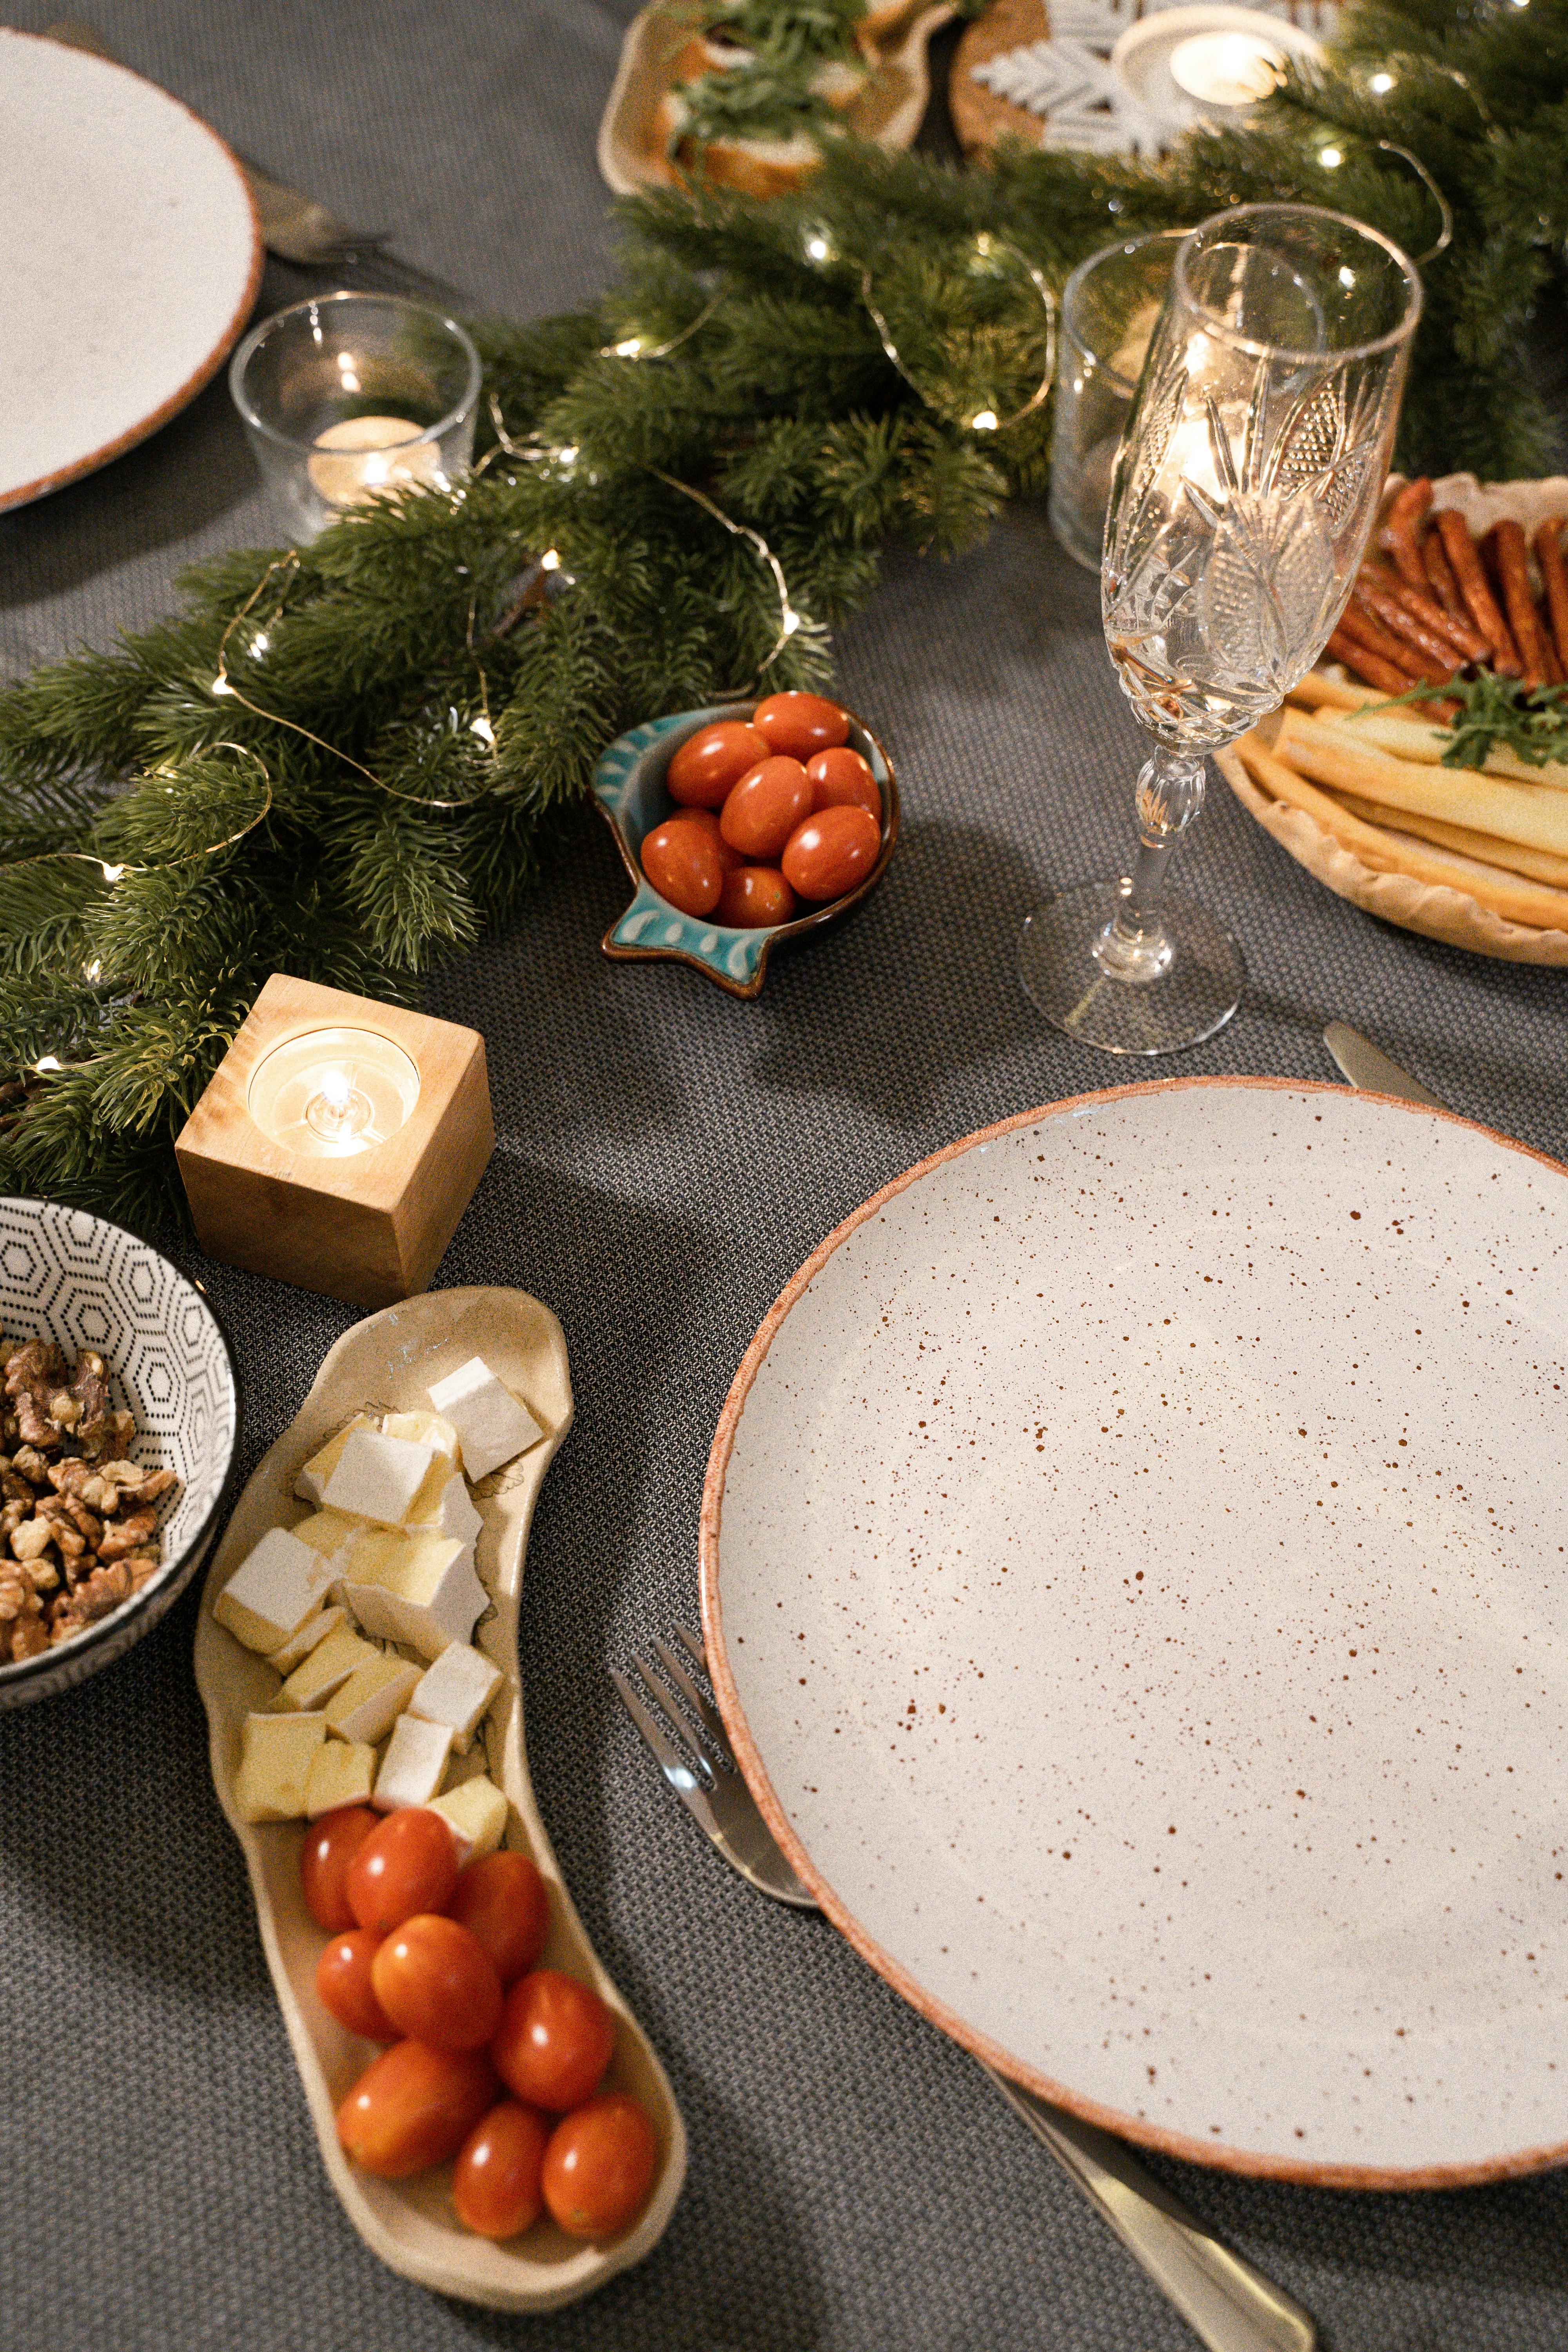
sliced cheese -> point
(276, 1752)
(377, 1477)
(372, 1699)
(313, 1477)
(300, 1646)
(414, 1766)
(342, 1773)
(326, 1670)
(421, 1589)
(455, 1691)
(491, 1425)
(272, 1590)
(476, 1813)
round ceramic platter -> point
(1135, 1573)
(133, 259)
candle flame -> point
(336, 1089)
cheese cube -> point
(327, 1531)
(272, 1590)
(300, 1646)
(491, 1425)
(313, 1477)
(477, 1814)
(424, 1429)
(326, 1670)
(276, 1752)
(342, 1773)
(414, 1765)
(372, 1699)
(421, 1589)
(445, 1507)
(455, 1691)
(377, 1477)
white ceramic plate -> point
(1135, 1571)
(389, 1360)
(132, 257)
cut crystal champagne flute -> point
(1245, 488)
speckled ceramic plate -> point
(132, 256)
(1135, 1571)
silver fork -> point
(1229, 2306)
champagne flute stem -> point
(1135, 946)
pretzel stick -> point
(1539, 865)
(1358, 623)
(1461, 635)
(1387, 854)
(1377, 672)
(1459, 547)
(1440, 572)
(1549, 556)
(1395, 613)
(1330, 752)
(1505, 544)
(1400, 525)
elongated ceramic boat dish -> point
(1132, 1577)
(389, 1360)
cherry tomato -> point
(754, 897)
(555, 2040)
(344, 1984)
(800, 724)
(704, 768)
(841, 779)
(765, 807)
(496, 2186)
(599, 2165)
(502, 1899)
(330, 1844)
(408, 1863)
(831, 852)
(683, 866)
(707, 822)
(437, 1982)
(414, 2107)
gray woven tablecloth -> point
(667, 1158)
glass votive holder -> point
(1110, 305)
(348, 397)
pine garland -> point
(433, 698)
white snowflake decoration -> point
(1066, 79)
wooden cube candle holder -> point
(338, 1144)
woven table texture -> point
(667, 1158)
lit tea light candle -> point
(363, 457)
(332, 1092)
(1228, 69)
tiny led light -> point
(220, 685)
(1381, 83)
(790, 621)
(1329, 157)
(985, 421)
(1347, 278)
(113, 872)
(482, 728)
(631, 349)
(48, 1062)
(550, 561)
(817, 248)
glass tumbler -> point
(1243, 495)
(1110, 305)
(350, 396)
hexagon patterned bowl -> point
(73, 1279)
(630, 793)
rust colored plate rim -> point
(1215, 2156)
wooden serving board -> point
(389, 1361)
